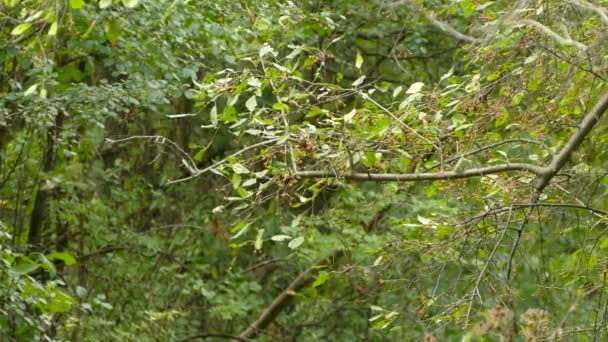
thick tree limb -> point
(275, 307)
(589, 121)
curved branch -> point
(450, 30)
(567, 41)
(209, 168)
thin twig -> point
(239, 152)
(487, 147)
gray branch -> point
(536, 170)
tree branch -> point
(589, 121)
(487, 147)
(543, 174)
(536, 170)
(586, 5)
(561, 40)
(275, 307)
(445, 28)
(450, 30)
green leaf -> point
(239, 168)
(53, 29)
(397, 91)
(279, 238)
(213, 116)
(243, 192)
(259, 240)
(249, 182)
(267, 49)
(359, 81)
(112, 31)
(200, 154)
(359, 60)
(415, 88)
(105, 3)
(280, 106)
(468, 8)
(494, 76)
(321, 279)
(350, 117)
(130, 3)
(21, 28)
(251, 103)
(240, 228)
(24, 268)
(81, 291)
(67, 258)
(235, 180)
(295, 243)
(77, 4)
(31, 89)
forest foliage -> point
(344, 170)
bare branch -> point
(487, 147)
(536, 170)
(601, 213)
(450, 30)
(160, 140)
(586, 5)
(475, 291)
(444, 27)
(561, 40)
(239, 152)
(384, 109)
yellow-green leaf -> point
(77, 4)
(239, 168)
(53, 29)
(359, 60)
(213, 116)
(295, 243)
(67, 258)
(415, 88)
(130, 3)
(112, 31)
(251, 103)
(19, 29)
(31, 89)
(259, 240)
(105, 3)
